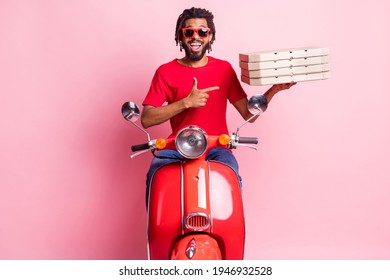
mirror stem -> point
(143, 130)
(248, 120)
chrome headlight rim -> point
(200, 138)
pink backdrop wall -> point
(319, 187)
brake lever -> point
(235, 145)
(141, 152)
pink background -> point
(319, 187)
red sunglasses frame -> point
(195, 30)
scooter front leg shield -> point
(164, 211)
(227, 211)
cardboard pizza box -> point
(285, 79)
(283, 54)
(286, 71)
(284, 63)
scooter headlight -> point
(191, 142)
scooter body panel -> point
(180, 190)
(228, 224)
(164, 211)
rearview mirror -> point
(130, 111)
(257, 103)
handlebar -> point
(248, 140)
(233, 144)
(140, 147)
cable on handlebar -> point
(164, 157)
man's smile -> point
(195, 45)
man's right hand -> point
(198, 97)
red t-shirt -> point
(173, 81)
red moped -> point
(195, 208)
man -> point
(194, 90)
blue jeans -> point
(170, 156)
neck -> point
(195, 64)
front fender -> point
(196, 247)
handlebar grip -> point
(248, 140)
(140, 147)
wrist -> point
(186, 104)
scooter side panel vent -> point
(197, 221)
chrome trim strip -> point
(210, 197)
(182, 195)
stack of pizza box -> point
(285, 66)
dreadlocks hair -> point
(194, 13)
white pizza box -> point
(286, 71)
(285, 79)
(284, 63)
(283, 54)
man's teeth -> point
(195, 43)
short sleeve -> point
(236, 92)
(158, 91)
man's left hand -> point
(279, 87)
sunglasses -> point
(189, 32)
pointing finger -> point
(210, 89)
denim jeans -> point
(169, 156)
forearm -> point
(269, 94)
(156, 115)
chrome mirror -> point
(257, 103)
(130, 111)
